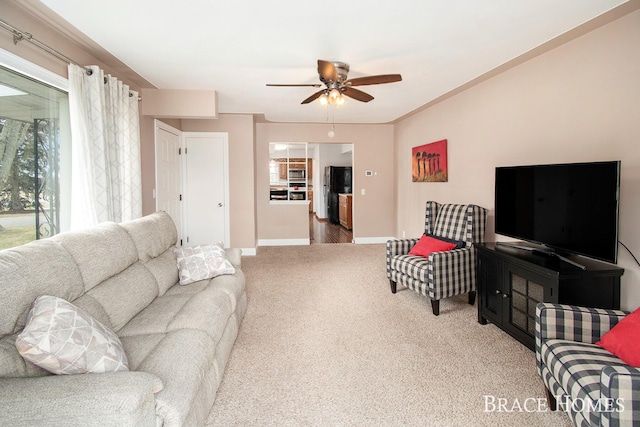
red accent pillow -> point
(428, 244)
(623, 339)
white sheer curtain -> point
(105, 149)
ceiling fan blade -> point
(327, 71)
(313, 97)
(294, 85)
(357, 94)
(374, 80)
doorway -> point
(322, 229)
(192, 183)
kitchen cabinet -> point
(283, 169)
(345, 210)
(297, 163)
(511, 281)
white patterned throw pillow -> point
(64, 339)
(202, 262)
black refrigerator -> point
(337, 179)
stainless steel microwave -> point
(297, 174)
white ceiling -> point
(237, 46)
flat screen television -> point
(568, 208)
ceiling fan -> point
(334, 77)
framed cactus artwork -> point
(429, 162)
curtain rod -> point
(19, 35)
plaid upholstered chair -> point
(595, 387)
(441, 274)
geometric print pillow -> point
(64, 339)
(202, 262)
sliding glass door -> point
(30, 142)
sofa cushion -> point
(94, 308)
(207, 311)
(412, 266)
(183, 360)
(232, 285)
(28, 271)
(623, 340)
(139, 347)
(126, 294)
(100, 252)
(12, 364)
(63, 339)
(165, 270)
(577, 367)
(153, 234)
(202, 262)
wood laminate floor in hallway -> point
(322, 231)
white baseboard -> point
(371, 240)
(284, 242)
(306, 242)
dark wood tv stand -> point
(512, 280)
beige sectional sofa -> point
(177, 339)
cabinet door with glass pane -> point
(525, 290)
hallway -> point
(322, 231)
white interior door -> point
(168, 173)
(206, 188)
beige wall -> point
(373, 213)
(241, 174)
(577, 102)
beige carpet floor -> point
(325, 343)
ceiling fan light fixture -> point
(323, 99)
(334, 96)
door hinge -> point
(187, 239)
(185, 150)
(181, 197)
(179, 151)
(180, 242)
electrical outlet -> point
(362, 192)
(403, 234)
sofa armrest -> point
(110, 399)
(234, 255)
(452, 272)
(400, 246)
(619, 387)
(572, 323)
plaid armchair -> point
(591, 384)
(441, 274)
